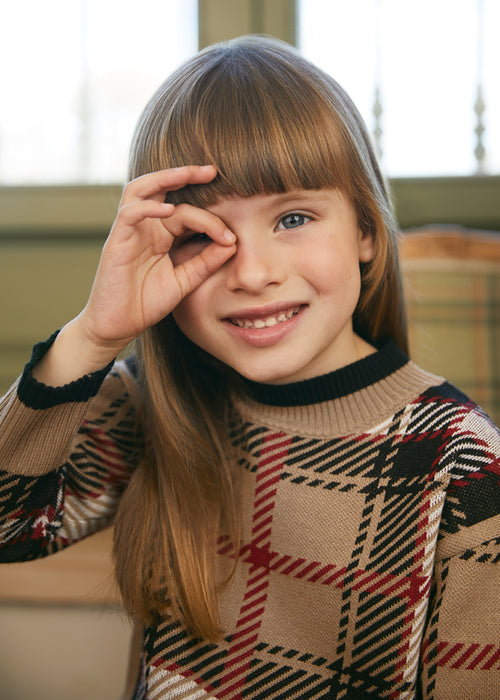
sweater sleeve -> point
(66, 455)
(461, 652)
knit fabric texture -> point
(369, 565)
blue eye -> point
(291, 221)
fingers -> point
(160, 236)
(143, 199)
(137, 212)
(187, 219)
(196, 270)
(172, 230)
(155, 185)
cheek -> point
(195, 314)
(331, 274)
(188, 314)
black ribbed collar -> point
(346, 380)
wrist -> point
(94, 352)
(72, 356)
(41, 394)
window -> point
(75, 76)
(428, 60)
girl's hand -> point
(137, 284)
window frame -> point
(88, 210)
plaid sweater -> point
(370, 558)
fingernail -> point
(229, 236)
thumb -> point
(196, 270)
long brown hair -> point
(271, 122)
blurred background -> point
(74, 76)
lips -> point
(264, 327)
(266, 321)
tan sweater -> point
(370, 559)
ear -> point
(366, 246)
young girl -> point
(299, 510)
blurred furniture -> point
(79, 575)
(452, 285)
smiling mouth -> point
(268, 321)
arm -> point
(59, 455)
(65, 459)
(461, 654)
(39, 419)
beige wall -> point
(43, 284)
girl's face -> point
(280, 310)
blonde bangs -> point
(212, 120)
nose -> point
(255, 265)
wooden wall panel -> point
(43, 284)
(220, 20)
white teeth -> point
(266, 322)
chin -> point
(268, 376)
